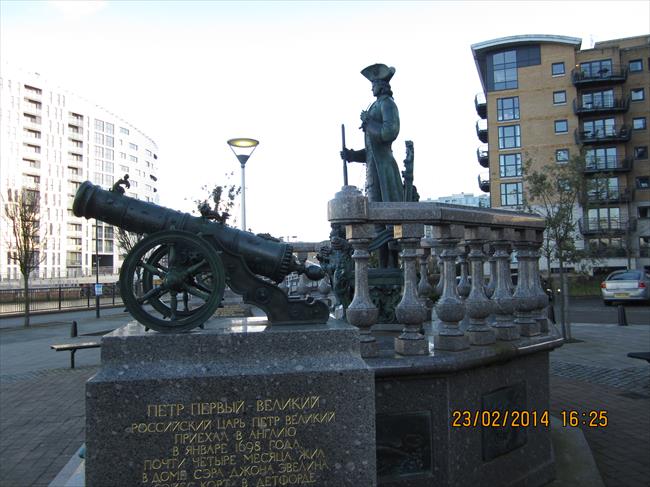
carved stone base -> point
(411, 347)
(482, 336)
(529, 329)
(369, 348)
(506, 332)
(543, 324)
(450, 342)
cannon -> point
(173, 279)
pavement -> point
(42, 417)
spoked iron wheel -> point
(172, 281)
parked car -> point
(630, 285)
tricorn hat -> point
(378, 72)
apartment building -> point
(545, 100)
(51, 141)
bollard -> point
(622, 318)
(73, 330)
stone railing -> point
(460, 233)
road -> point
(592, 310)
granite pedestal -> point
(237, 406)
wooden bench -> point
(73, 347)
(640, 355)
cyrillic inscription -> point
(259, 443)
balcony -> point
(484, 184)
(32, 107)
(75, 133)
(603, 136)
(581, 79)
(483, 156)
(602, 226)
(482, 131)
(615, 105)
(481, 105)
(623, 164)
(76, 121)
(610, 197)
(31, 120)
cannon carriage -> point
(174, 279)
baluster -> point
(489, 289)
(425, 290)
(541, 302)
(410, 312)
(502, 297)
(464, 285)
(449, 307)
(361, 312)
(524, 299)
(437, 290)
(477, 305)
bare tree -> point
(22, 211)
(219, 202)
(127, 240)
(555, 191)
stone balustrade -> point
(468, 236)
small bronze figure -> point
(117, 187)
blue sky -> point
(194, 74)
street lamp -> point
(243, 148)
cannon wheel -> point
(168, 264)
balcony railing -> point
(582, 79)
(615, 105)
(481, 105)
(484, 184)
(483, 156)
(75, 120)
(482, 131)
(603, 226)
(616, 196)
(623, 164)
(602, 136)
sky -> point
(192, 75)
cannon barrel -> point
(264, 257)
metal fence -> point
(12, 301)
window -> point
(597, 69)
(637, 94)
(508, 108)
(641, 152)
(561, 126)
(604, 218)
(638, 123)
(605, 127)
(510, 165)
(511, 194)
(509, 137)
(559, 97)
(504, 70)
(109, 128)
(557, 69)
(99, 125)
(124, 130)
(644, 212)
(122, 155)
(132, 146)
(562, 155)
(124, 169)
(598, 99)
(635, 65)
(601, 158)
(643, 182)
(133, 159)
(602, 188)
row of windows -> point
(599, 158)
(508, 108)
(601, 67)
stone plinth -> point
(240, 406)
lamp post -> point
(243, 148)
(96, 268)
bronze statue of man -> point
(380, 124)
